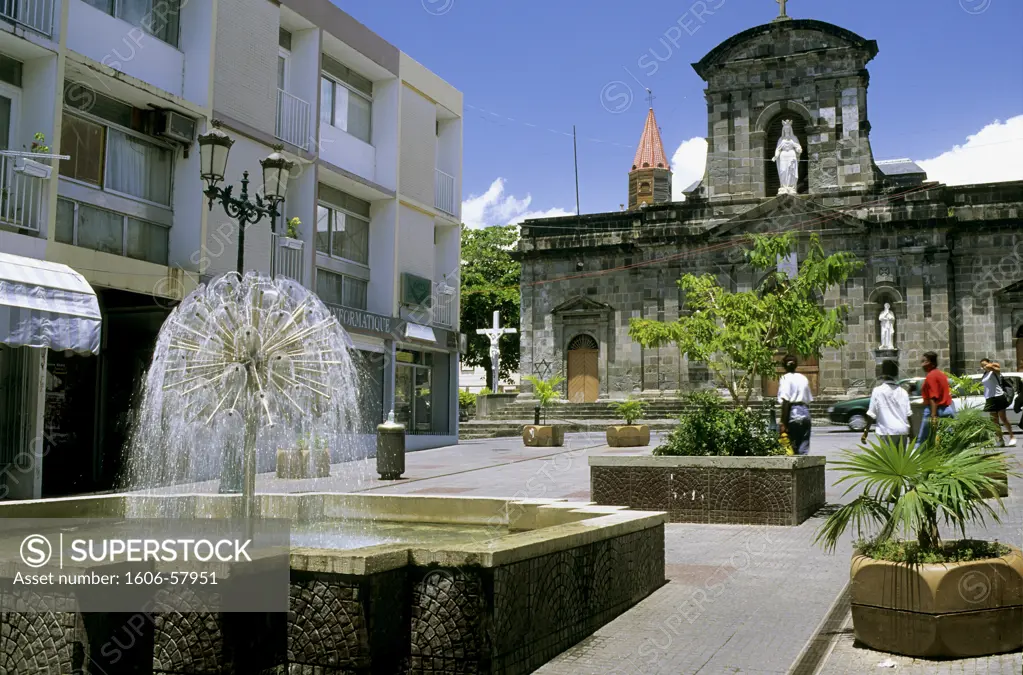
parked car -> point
(977, 400)
(854, 411)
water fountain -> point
(254, 363)
(246, 365)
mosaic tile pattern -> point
(701, 495)
(327, 626)
(41, 642)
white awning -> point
(46, 304)
(417, 332)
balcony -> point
(289, 257)
(24, 188)
(445, 304)
(444, 193)
(292, 119)
(34, 14)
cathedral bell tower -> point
(650, 177)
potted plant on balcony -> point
(913, 593)
(291, 238)
(631, 435)
(544, 435)
(31, 167)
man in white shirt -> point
(889, 407)
(795, 397)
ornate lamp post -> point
(214, 148)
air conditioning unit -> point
(175, 126)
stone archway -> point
(583, 380)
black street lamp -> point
(214, 148)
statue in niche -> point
(786, 158)
(887, 319)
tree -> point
(739, 334)
(490, 281)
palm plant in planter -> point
(631, 435)
(913, 593)
(546, 392)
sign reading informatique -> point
(361, 320)
(107, 565)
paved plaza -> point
(740, 599)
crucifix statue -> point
(782, 14)
(495, 334)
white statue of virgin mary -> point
(786, 158)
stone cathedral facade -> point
(949, 260)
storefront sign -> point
(362, 321)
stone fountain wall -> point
(511, 618)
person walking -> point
(889, 407)
(795, 397)
(936, 394)
(996, 398)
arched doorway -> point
(771, 181)
(583, 383)
(1019, 349)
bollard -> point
(390, 449)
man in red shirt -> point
(936, 394)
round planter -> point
(543, 436)
(951, 610)
(628, 436)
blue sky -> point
(947, 70)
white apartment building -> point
(119, 90)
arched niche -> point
(764, 140)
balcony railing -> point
(34, 14)
(24, 178)
(445, 304)
(444, 192)
(289, 257)
(292, 119)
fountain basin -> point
(404, 584)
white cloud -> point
(687, 166)
(494, 207)
(993, 154)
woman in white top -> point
(795, 397)
(995, 400)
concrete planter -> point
(543, 436)
(953, 610)
(742, 490)
(488, 405)
(628, 436)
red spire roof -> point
(650, 153)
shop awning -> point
(417, 332)
(46, 304)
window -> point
(346, 100)
(342, 231)
(340, 289)
(101, 230)
(159, 18)
(10, 70)
(117, 160)
(84, 141)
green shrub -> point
(546, 391)
(971, 427)
(905, 492)
(630, 410)
(485, 391)
(466, 399)
(910, 552)
(707, 428)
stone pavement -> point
(741, 599)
